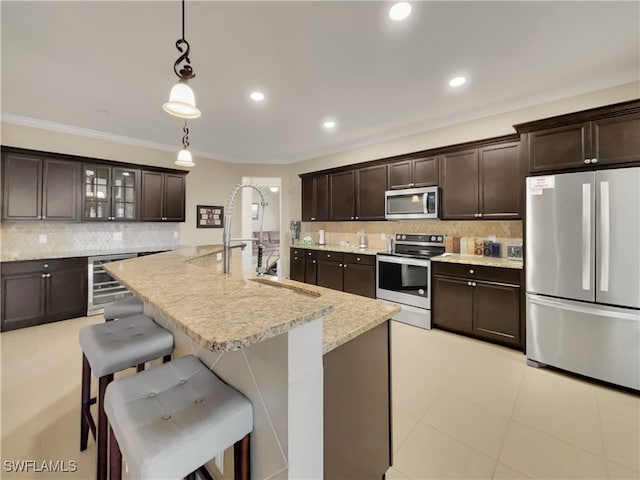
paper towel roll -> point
(320, 237)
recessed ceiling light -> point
(257, 96)
(457, 81)
(329, 124)
(400, 11)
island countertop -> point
(227, 312)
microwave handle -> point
(425, 199)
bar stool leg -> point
(84, 401)
(115, 458)
(241, 459)
(103, 427)
(166, 358)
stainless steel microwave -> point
(412, 203)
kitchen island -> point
(314, 362)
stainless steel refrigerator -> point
(583, 273)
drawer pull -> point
(345, 265)
(339, 264)
(471, 272)
(46, 265)
(358, 259)
(328, 255)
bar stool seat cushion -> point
(172, 419)
(114, 346)
(123, 308)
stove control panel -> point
(420, 238)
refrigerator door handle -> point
(584, 308)
(586, 237)
(605, 236)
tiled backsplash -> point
(335, 232)
(20, 237)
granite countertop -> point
(477, 260)
(228, 312)
(339, 248)
(40, 255)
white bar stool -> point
(108, 348)
(170, 420)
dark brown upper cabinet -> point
(39, 188)
(371, 183)
(342, 196)
(417, 172)
(603, 136)
(485, 182)
(315, 198)
(163, 197)
(110, 193)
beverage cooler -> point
(103, 288)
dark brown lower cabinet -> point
(42, 291)
(330, 274)
(297, 265)
(310, 271)
(480, 301)
(357, 407)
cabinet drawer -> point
(331, 256)
(52, 265)
(478, 272)
(359, 259)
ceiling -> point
(105, 68)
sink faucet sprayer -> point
(226, 233)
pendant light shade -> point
(184, 159)
(182, 101)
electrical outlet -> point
(117, 236)
(383, 236)
(42, 238)
(176, 235)
(218, 257)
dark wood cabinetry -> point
(417, 172)
(348, 272)
(342, 196)
(371, 183)
(110, 193)
(43, 291)
(480, 301)
(315, 198)
(601, 136)
(39, 188)
(163, 197)
(485, 182)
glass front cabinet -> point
(110, 193)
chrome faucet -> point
(226, 233)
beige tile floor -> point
(463, 409)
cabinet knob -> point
(413, 184)
(357, 218)
(328, 255)
(473, 284)
(358, 259)
(351, 218)
(587, 161)
(313, 261)
(48, 275)
(313, 218)
(471, 272)
(295, 258)
(345, 265)
(594, 160)
(44, 275)
(480, 215)
(339, 264)
(309, 253)
(46, 265)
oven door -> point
(404, 280)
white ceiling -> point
(108, 67)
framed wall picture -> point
(209, 216)
(255, 209)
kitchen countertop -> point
(339, 248)
(477, 260)
(38, 255)
(228, 312)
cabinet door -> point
(96, 192)
(310, 271)
(452, 304)
(341, 196)
(497, 312)
(371, 183)
(330, 275)
(60, 188)
(21, 187)
(617, 139)
(308, 213)
(459, 183)
(501, 181)
(23, 300)
(360, 279)
(174, 193)
(66, 294)
(559, 148)
(321, 197)
(126, 190)
(400, 175)
(152, 193)
(425, 172)
(297, 267)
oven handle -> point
(418, 262)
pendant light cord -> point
(185, 71)
(183, 20)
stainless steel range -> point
(404, 276)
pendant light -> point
(184, 155)
(182, 101)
